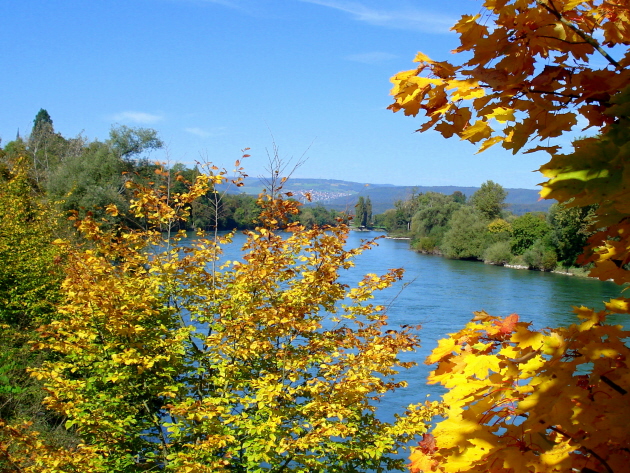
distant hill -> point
(343, 195)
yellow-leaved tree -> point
(170, 359)
(553, 400)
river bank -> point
(561, 270)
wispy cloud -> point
(374, 57)
(200, 132)
(401, 17)
(138, 117)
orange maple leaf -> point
(506, 326)
(428, 445)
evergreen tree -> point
(360, 212)
(368, 213)
(42, 119)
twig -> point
(586, 37)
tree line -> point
(86, 176)
(481, 228)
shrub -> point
(540, 257)
(498, 253)
(426, 244)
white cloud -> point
(197, 132)
(399, 17)
(200, 132)
(138, 117)
(374, 57)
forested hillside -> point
(342, 196)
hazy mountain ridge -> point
(342, 195)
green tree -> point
(386, 220)
(46, 147)
(96, 177)
(467, 236)
(368, 212)
(431, 220)
(404, 211)
(41, 120)
(570, 229)
(360, 212)
(130, 143)
(459, 197)
(489, 200)
(526, 229)
(434, 211)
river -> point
(441, 295)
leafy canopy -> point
(169, 359)
(521, 400)
(536, 65)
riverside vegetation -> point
(125, 351)
(480, 228)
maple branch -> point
(526, 357)
(563, 40)
(586, 449)
(613, 385)
(589, 39)
(551, 92)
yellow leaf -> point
(488, 143)
(477, 132)
(466, 89)
(421, 57)
(619, 306)
(571, 4)
(445, 347)
(502, 114)
(479, 365)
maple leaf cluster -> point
(535, 67)
(521, 400)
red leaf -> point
(428, 445)
(506, 326)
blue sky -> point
(216, 76)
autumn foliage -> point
(521, 400)
(169, 357)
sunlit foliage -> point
(171, 358)
(552, 400)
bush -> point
(426, 245)
(467, 236)
(540, 257)
(499, 253)
(526, 229)
(161, 361)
